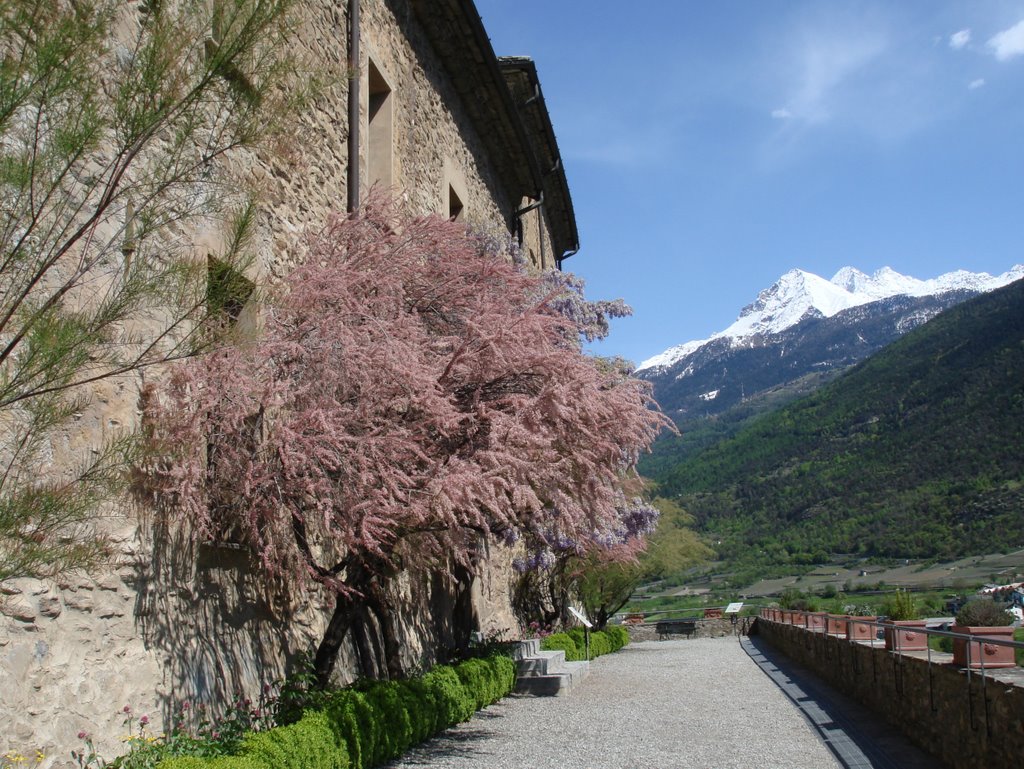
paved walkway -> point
(687, 704)
(858, 738)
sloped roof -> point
(521, 76)
(496, 93)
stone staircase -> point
(546, 673)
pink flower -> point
(126, 709)
(83, 735)
(144, 720)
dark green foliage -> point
(453, 703)
(369, 724)
(984, 612)
(900, 606)
(219, 762)
(915, 453)
(573, 642)
(308, 744)
(562, 642)
(791, 598)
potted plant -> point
(984, 618)
(903, 629)
(857, 627)
(816, 620)
(835, 624)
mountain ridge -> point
(799, 295)
(914, 452)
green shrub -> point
(307, 744)
(369, 724)
(562, 642)
(984, 612)
(454, 704)
(218, 762)
(573, 642)
(900, 606)
(618, 635)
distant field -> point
(964, 575)
(967, 572)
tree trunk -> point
(368, 647)
(377, 603)
(464, 619)
(345, 614)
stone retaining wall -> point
(706, 628)
(965, 721)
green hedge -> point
(367, 725)
(573, 642)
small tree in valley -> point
(411, 395)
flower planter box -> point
(906, 635)
(983, 654)
(835, 624)
(816, 620)
(858, 629)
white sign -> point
(579, 615)
(734, 608)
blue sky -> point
(712, 146)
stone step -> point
(542, 664)
(528, 648)
(555, 684)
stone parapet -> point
(963, 718)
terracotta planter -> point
(905, 635)
(983, 654)
(835, 624)
(816, 620)
(857, 629)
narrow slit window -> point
(455, 206)
(380, 135)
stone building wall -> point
(169, 622)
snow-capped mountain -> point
(802, 331)
(799, 295)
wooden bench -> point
(668, 627)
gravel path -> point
(695, 704)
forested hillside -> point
(917, 452)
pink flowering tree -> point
(410, 395)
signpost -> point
(734, 609)
(587, 624)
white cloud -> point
(1008, 43)
(827, 67)
(959, 39)
(781, 113)
(976, 83)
